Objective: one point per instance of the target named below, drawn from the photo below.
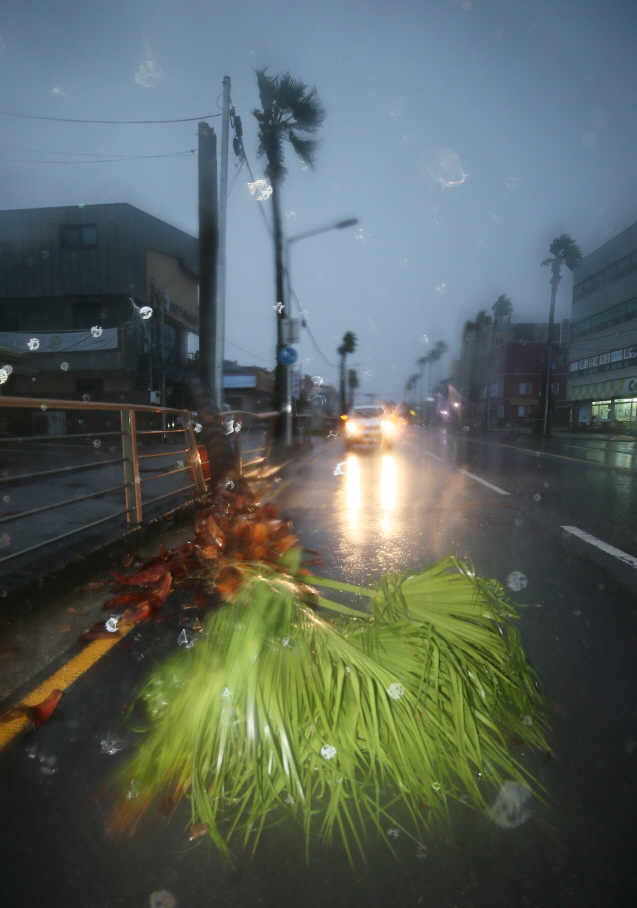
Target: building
(74, 284)
(247, 388)
(602, 381)
(514, 378)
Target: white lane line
(489, 485)
(604, 546)
(432, 455)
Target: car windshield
(368, 412)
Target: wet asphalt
(369, 513)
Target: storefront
(605, 403)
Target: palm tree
(353, 382)
(422, 362)
(348, 346)
(481, 321)
(287, 108)
(564, 251)
(502, 309)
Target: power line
(95, 154)
(250, 352)
(110, 160)
(7, 113)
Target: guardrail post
(131, 468)
(193, 453)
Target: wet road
(504, 508)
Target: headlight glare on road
(351, 427)
(387, 426)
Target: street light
(339, 225)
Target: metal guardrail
(107, 464)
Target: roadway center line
(433, 455)
(604, 546)
(489, 485)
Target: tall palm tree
(422, 362)
(347, 346)
(481, 322)
(354, 383)
(287, 108)
(502, 310)
(564, 251)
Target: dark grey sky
(538, 100)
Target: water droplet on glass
(396, 690)
(111, 625)
(440, 288)
(163, 899)
(96, 331)
(111, 745)
(577, 612)
(64, 367)
(260, 189)
(528, 721)
(339, 471)
(436, 786)
(444, 166)
(421, 852)
(511, 183)
(6, 499)
(517, 522)
(517, 581)
(4, 375)
(5, 540)
(537, 497)
(86, 397)
(97, 443)
(43, 407)
(33, 343)
(146, 312)
(198, 427)
(508, 809)
(393, 833)
(328, 751)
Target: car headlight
(351, 427)
(387, 426)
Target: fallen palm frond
(338, 721)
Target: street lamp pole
(339, 225)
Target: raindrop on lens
(517, 581)
(64, 367)
(86, 397)
(146, 312)
(96, 331)
(97, 443)
(33, 343)
(511, 183)
(537, 497)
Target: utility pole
(208, 251)
(221, 267)
(556, 277)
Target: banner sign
(61, 342)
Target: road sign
(290, 331)
(288, 356)
(296, 384)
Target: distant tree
(422, 362)
(353, 382)
(288, 107)
(347, 346)
(564, 251)
(502, 310)
(478, 326)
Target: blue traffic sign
(288, 356)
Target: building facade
(73, 284)
(602, 381)
(508, 386)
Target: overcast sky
(536, 102)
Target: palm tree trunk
(343, 402)
(490, 377)
(279, 395)
(555, 279)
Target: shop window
(600, 410)
(524, 410)
(525, 387)
(500, 411)
(555, 388)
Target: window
(562, 359)
(525, 387)
(77, 236)
(555, 387)
(500, 411)
(524, 410)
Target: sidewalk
(40, 624)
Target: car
(370, 427)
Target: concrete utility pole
(556, 277)
(221, 268)
(208, 252)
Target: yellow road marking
(61, 680)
